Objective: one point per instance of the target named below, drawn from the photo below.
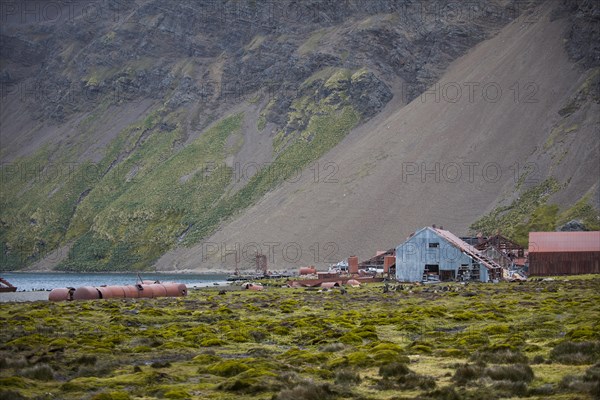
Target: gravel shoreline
(19, 297)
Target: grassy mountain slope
(438, 160)
(173, 135)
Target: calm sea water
(47, 281)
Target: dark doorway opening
(447, 275)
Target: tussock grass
(466, 373)
(11, 394)
(347, 377)
(499, 355)
(513, 373)
(445, 393)
(40, 372)
(576, 353)
(399, 376)
(111, 396)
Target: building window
(434, 245)
(432, 269)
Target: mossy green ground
(538, 340)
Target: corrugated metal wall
(484, 275)
(415, 253)
(564, 263)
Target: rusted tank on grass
(131, 292)
(308, 270)
(253, 286)
(145, 291)
(105, 292)
(61, 294)
(158, 290)
(175, 289)
(86, 293)
(149, 291)
(117, 291)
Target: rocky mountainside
(179, 135)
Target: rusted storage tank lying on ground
(61, 294)
(158, 290)
(105, 292)
(131, 292)
(86, 293)
(253, 286)
(308, 271)
(353, 283)
(175, 289)
(145, 291)
(119, 292)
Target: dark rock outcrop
(572, 226)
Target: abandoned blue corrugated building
(432, 254)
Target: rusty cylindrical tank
(307, 271)
(59, 294)
(131, 292)
(175, 289)
(117, 291)
(146, 291)
(105, 292)
(158, 290)
(353, 283)
(86, 293)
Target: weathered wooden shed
(564, 253)
(433, 253)
(379, 263)
(502, 250)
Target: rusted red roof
(551, 242)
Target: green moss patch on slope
(136, 215)
(583, 211)
(145, 196)
(148, 193)
(322, 133)
(37, 203)
(528, 212)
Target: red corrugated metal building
(564, 253)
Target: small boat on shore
(6, 286)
